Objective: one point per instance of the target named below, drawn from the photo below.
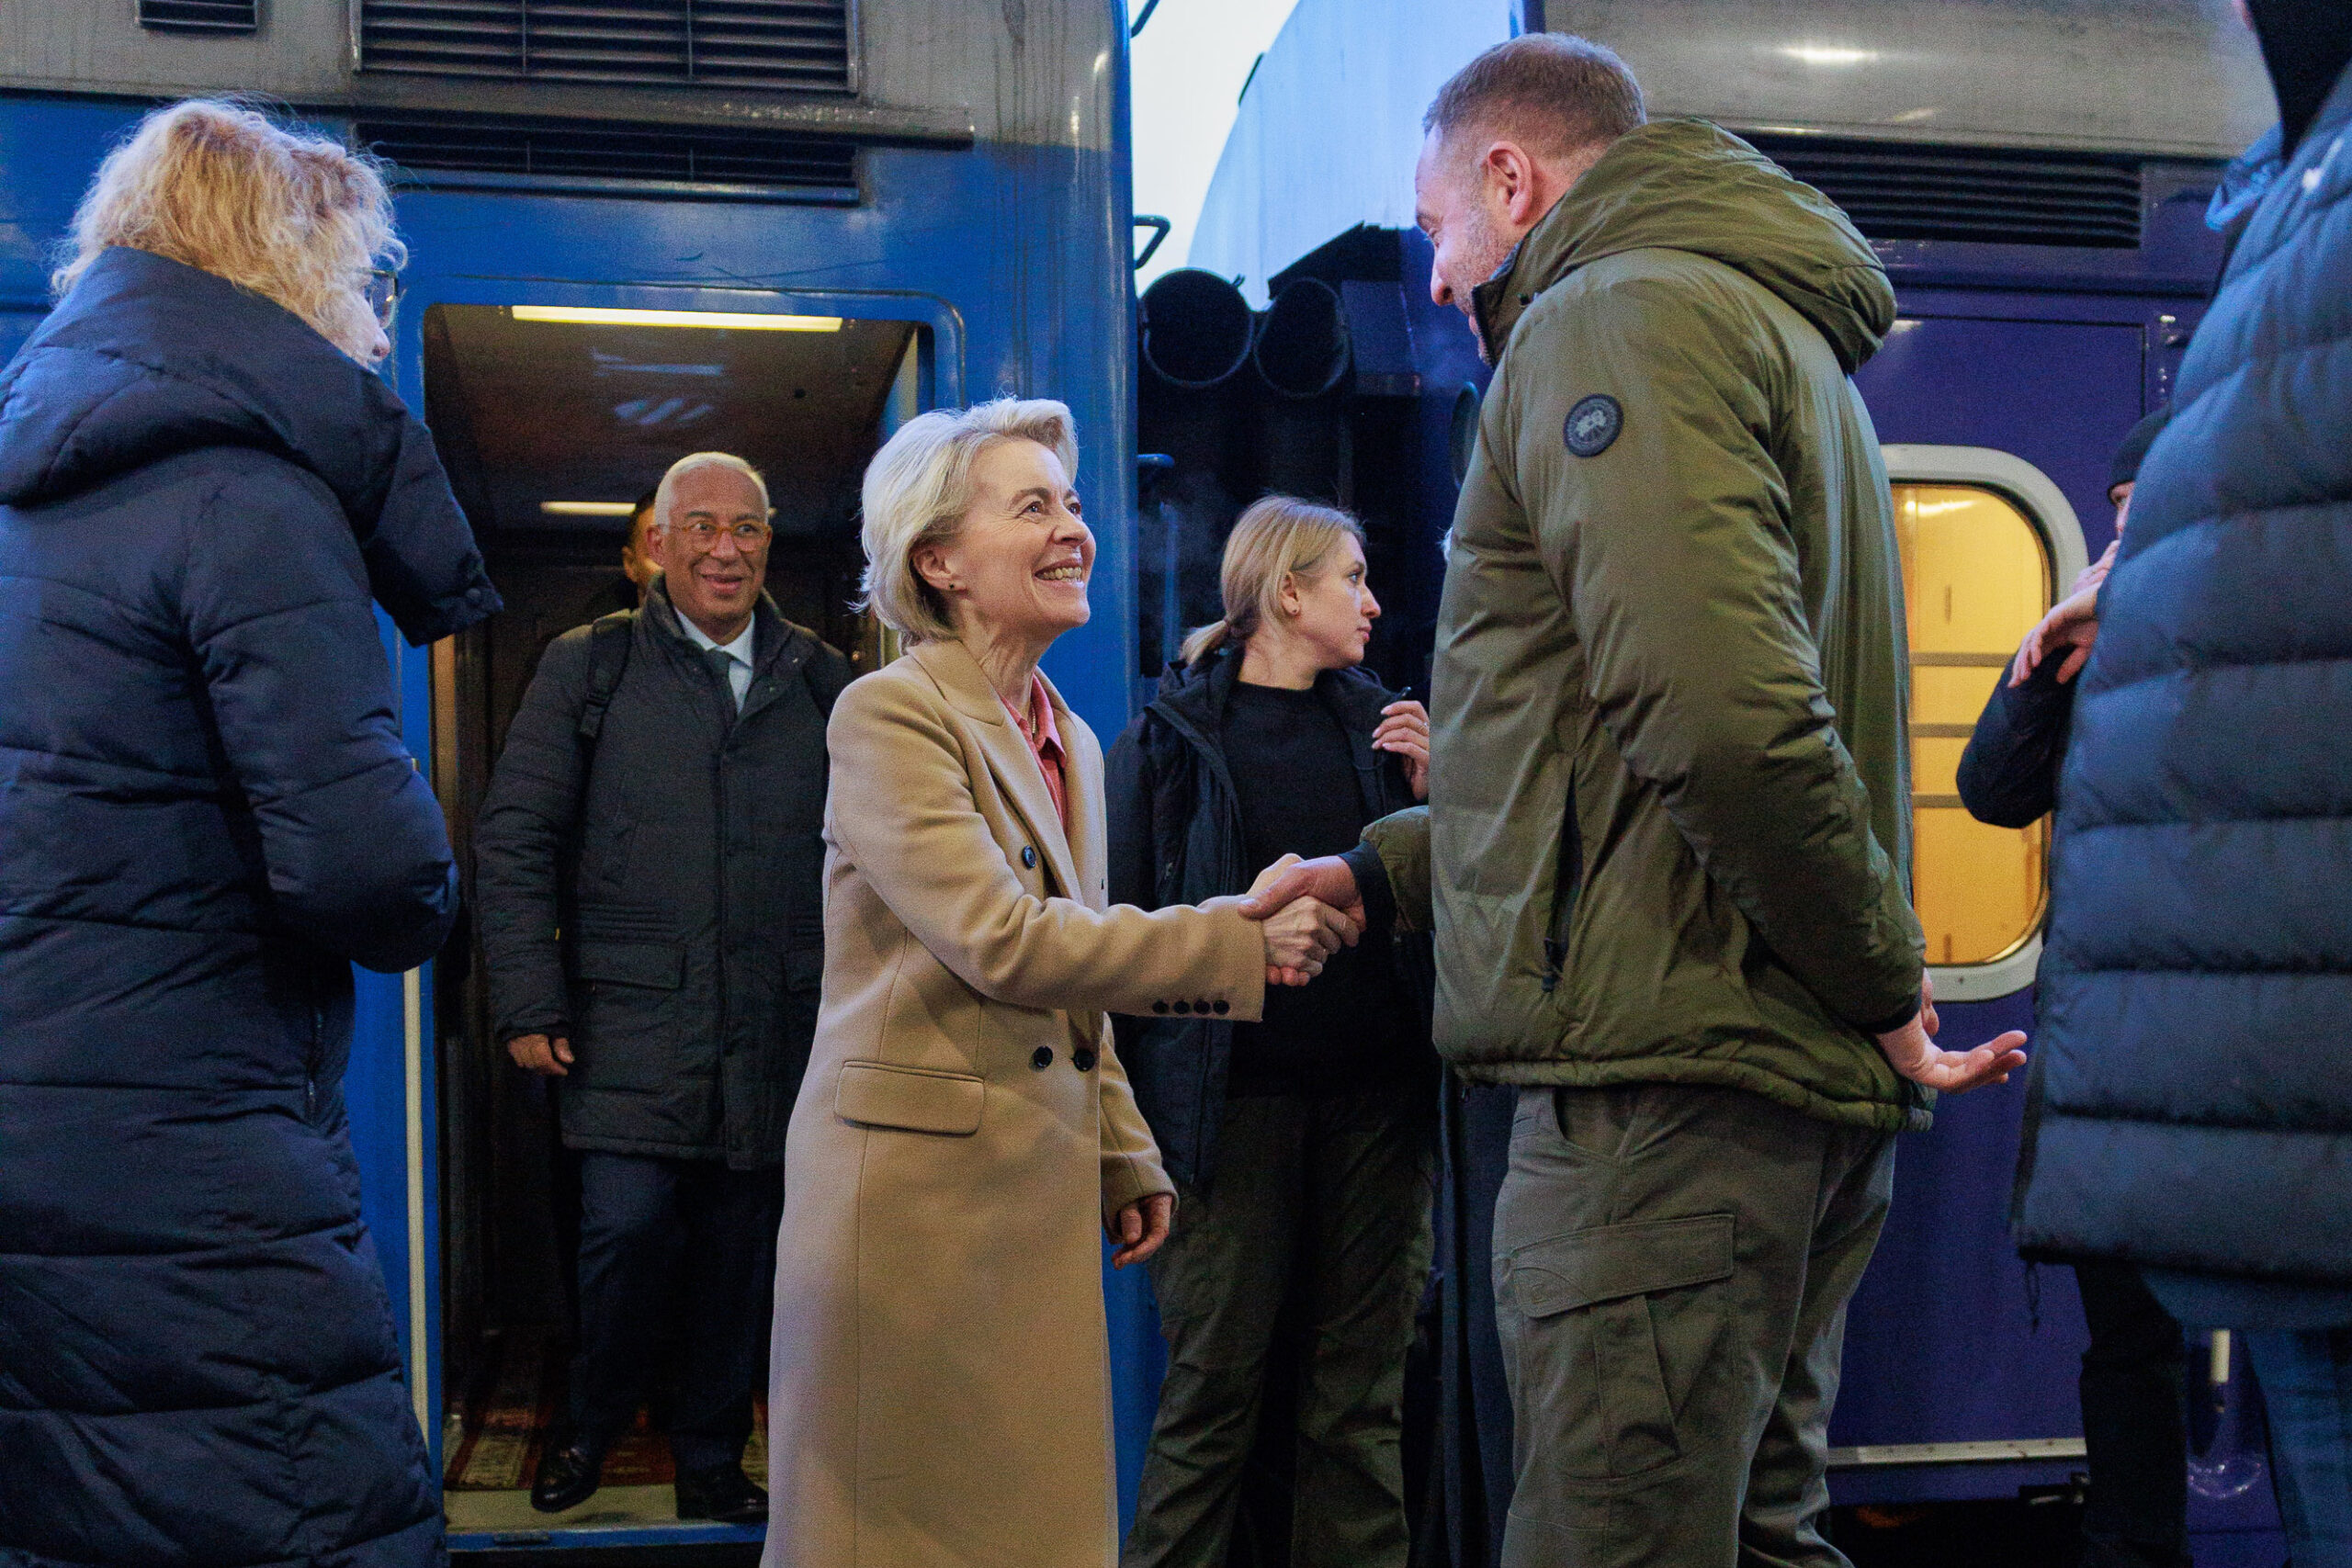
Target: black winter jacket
(2197, 1115)
(2008, 775)
(683, 875)
(1176, 837)
(207, 815)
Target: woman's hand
(1137, 1230)
(1404, 730)
(1300, 936)
(2073, 626)
(2096, 573)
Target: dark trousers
(674, 1235)
(2307, 1390)
(1326, 1199)
(2133, 1429)
(1672, 1265)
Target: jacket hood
(1684, 184)
(1196, 693)
(147, 358)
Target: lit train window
(1976, 576)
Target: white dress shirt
(739, 654)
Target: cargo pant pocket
(1614, 1325)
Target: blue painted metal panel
(1013, 258)
(607, 1536)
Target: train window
(1978, 571)
(1975, 577)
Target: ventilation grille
(1969, 193)
(200, 16)
(782, 45)
(804, 165)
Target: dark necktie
(720, 662)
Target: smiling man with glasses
(649, 862)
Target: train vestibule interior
(552, 421)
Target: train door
(554, 408)
(2000, 414)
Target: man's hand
(1327, 880)
(1404, 730)
(550, 1058)
(1139, 1228)
(2073, 625)
(1913, 1050)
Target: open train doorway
(553, 421)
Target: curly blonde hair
(298, 219)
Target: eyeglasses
(702, 534)
(383, 293)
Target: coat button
(1183, 1007)
(1082, 1059)
(1221, 1009)
(1029, 856)
(1201, 1007)
(1042, 1058)
(1159, 1006)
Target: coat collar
(965, 687)
(146, 358)
(1197, 697)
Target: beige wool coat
(940, 1390)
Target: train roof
(1330, 122)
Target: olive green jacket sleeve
(1675, 552)
(1399, 845)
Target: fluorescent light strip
(588, 508)
(740, 320)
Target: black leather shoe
(725, 1494)
(569, 1476)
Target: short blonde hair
(665, 494)
(1280, 537)
(298, 220)
(919, 486)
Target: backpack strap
(608, 641)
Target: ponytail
(1203, 641)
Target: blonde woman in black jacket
(1301, 1145)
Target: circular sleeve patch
(1592, 424)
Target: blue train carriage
(2035, 178)
(773, 227)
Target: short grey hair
(665, 494)
(919, 486)
(1556, 92)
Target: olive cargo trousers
(1672, 1264)
(1328, 1197)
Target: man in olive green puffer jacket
(1667, 854)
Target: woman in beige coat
(940, 1382)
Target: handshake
(1307, 909)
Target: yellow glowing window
(1977, 577)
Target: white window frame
(2045, 508)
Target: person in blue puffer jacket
(2194, 1107)
(207, 816)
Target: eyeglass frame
(382, 291)
(703, 533)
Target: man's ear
(1511, 174)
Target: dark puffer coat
(205, 817)
(2196, 1113)
(1176, 837)
(683, 872)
